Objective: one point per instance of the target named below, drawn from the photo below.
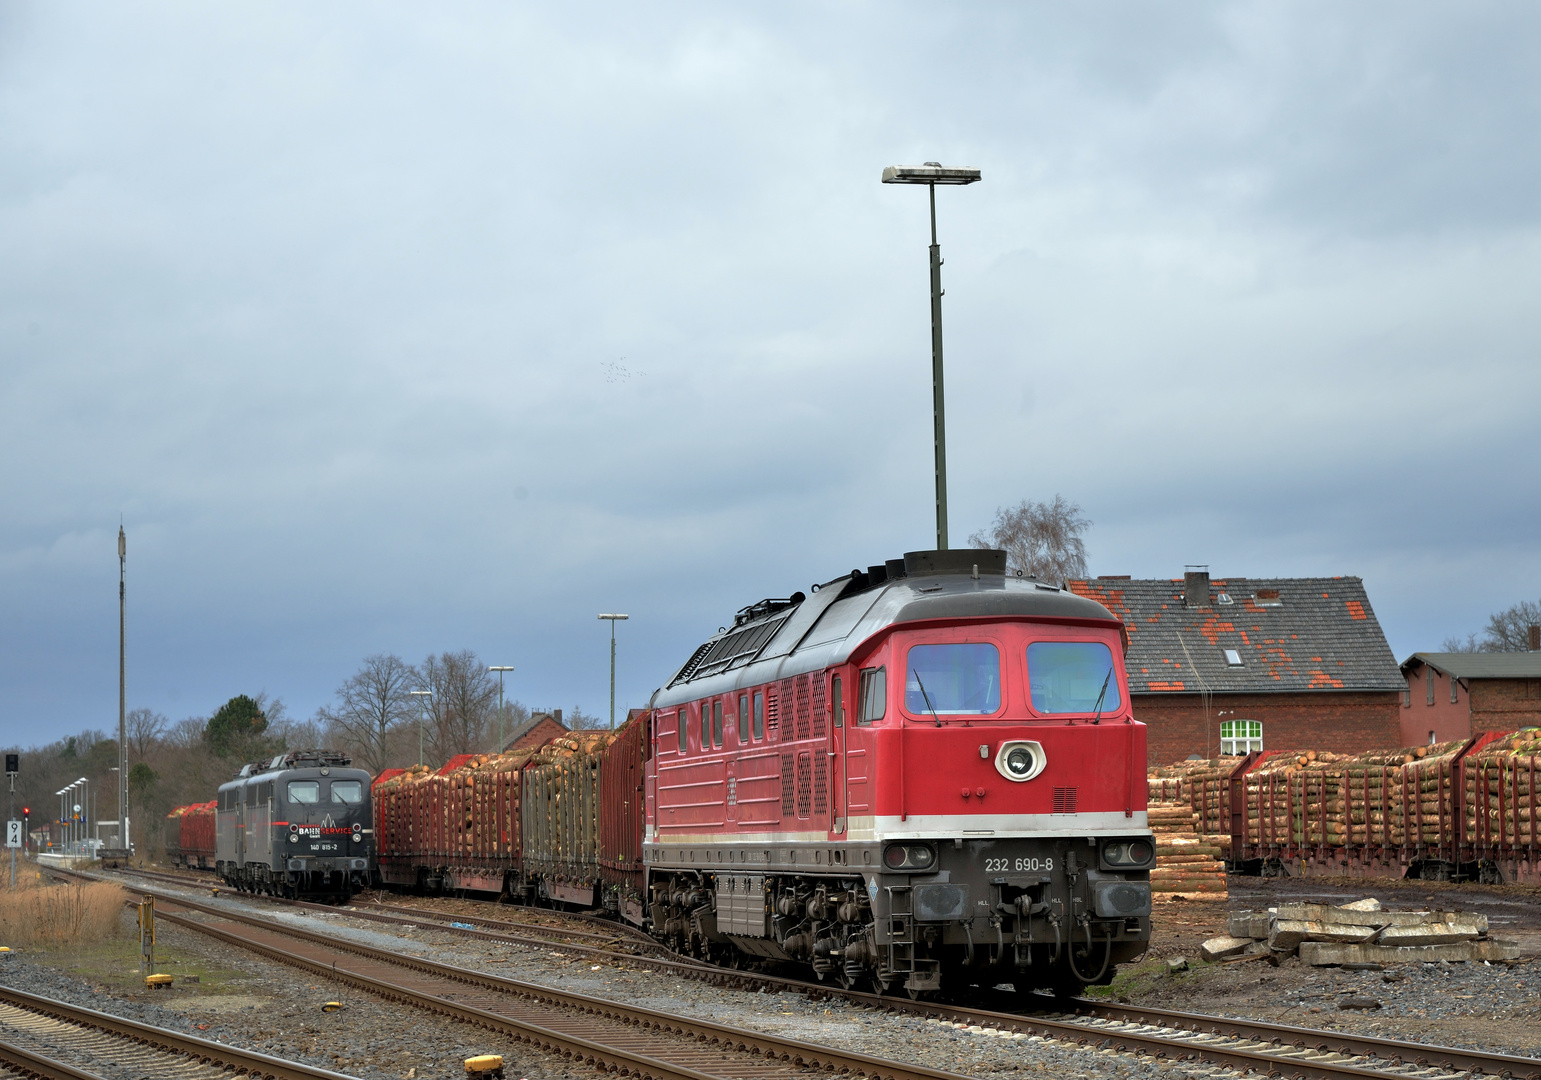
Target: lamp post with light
(422, 705)
(931, 174)
(500, 669)
(613, 619)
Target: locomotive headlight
(1020, 761)
(1128, 853)
(908, 857)
(294, 838)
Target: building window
(1233, 658)
(1431, 738)
(1454, 683)
(1430, 681)
(1407, 696)
(1240, 736)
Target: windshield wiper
(1098, 707)
(927, 699)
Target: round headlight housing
(1020, 760)
(908, 857)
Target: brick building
(1227, 666)
(1456, 695)
(539, 729)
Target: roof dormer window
(1267, 598)
(1233, 658)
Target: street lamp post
(613, 619)
(500, 669)
(122, 695)
(421, 704)
(932, 174)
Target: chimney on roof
(1196, 586)
(556, 714)
(1535, 637)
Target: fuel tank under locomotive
(1055, 913)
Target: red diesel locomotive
(922, 775)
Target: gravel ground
(276, 1009)
(1486, 1007)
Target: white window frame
(1238, 737)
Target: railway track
(1247, 1046)
(36, 1032)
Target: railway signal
(931, 174)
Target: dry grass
(42, 915)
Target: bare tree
(1506, 631)
(370, 707)
(578, 720)
(1041, 539)
(465, 699)
(145, 729)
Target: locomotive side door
(836, 752)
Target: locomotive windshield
(347, 791)
(307, 792)
(1072, 677)
(953, 680)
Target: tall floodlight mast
(931, 174)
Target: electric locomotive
(923, 775)
(297, 825)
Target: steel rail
(1188, 1034)
(785, 1056)
(221, 1055)
(1340, 1042)
(19, 1061)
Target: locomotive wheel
(882, 982)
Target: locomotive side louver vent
(818, 707)
(1064, 800)
(820, 785)
(786, 784)
(804, 784)
(788, 706)
(772, 709)
(802, 709)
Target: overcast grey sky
(408, 328)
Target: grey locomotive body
(298, 825)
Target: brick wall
(1505, 704)
(1346, 723)
(1448, 720)
(540, 734)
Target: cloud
(321, 302)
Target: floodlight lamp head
(930, 173)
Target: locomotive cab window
(304, 792)
(706, 725)
(347, 791)
(1072, 677)
(838, 698)
(874, 695)
(759, 716)
(961, 679)
(682, 720)
(741, 722)
(717, 724)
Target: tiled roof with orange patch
(1291, 634)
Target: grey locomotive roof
(1288, 634)
(827, 627)
(1514, 665)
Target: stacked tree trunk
(1186, 861)
(1503, 791)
